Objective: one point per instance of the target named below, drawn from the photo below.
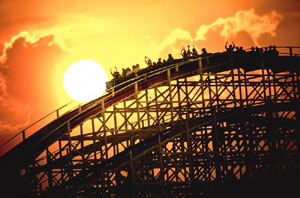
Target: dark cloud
(27, 73)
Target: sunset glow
(85, 80)
(41, 39)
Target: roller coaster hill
(224, 124)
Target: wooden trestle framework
(186, 136)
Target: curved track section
(225, 81)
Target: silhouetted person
(258, 51)
(159, 61)
(116, 75)
(270, 48)
(184, 54)
(164, 62)
(189, 53)
(135, 68)
(276, 53)
(194, 52)
(261, 50)
(266, 51)
(124, 72)
(148, 61)
(170, 58)
(230, 48)
(204, 52)
(239, 49)
(128, 71)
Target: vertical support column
(216, 142)
(60, 155)
(209, 90)
(79, 108)
(179, 99)
(50, 179)
(240, 86)
(113, 91)
(57, 113)
(103, 109)
(104, 128)
(162, 172)
(81, 141)
(170, 95)
(291, 51)
(190, 154)
(232, 80)
(246, 88)
(23, 135)
(200, 66)
(116, 147)
(125, 115)
(94, 139)
(147, 104)
(217, 91)
(274, 84)
(105, 141)
(70, 150)
(202, 84)
(136, 89)
(207, 60)
(269, 73)
(188, 103)
(272, 138)
(157, 109)
(263, 80)
(132, 175)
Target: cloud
(245, 25)
(244, 20)
(173, 43)
(27, 74)
(13, 115)
(28, 40)
(9, 128)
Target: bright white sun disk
(85, 80)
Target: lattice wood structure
(223, 122)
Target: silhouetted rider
(170, 58)
(184, 54)
(148, 61)
(194, 52)
(230, 48)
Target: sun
(85, 80)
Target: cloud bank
(27, 65)
(244, 20)
(247, 21)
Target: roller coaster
(222, 124)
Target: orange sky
(40, 39)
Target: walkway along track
(25, 153)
